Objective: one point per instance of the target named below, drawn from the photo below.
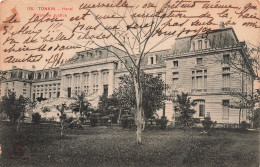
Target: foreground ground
(112, 146)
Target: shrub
(124, 121)
(162, 123)
(63, 117)
(36, 117)
(207, 123)
(94, 119)
(245, 126)
(104, 120)
(82, 120)
(69, 120)
(184, 111)
(127, 121)
(196, 120)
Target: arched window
(200, 107)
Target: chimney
(221, 24)
(14, 67)
(33, 67)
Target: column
(81, 81)
(111, 83)
(90, 83)
(72, 85)
(100, 83)
(63, 88)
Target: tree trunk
(139, 112)
(119, 116)
(239, 121)
(18, 124)
(62, 127)
(12, 118)
(80, 109)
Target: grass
(113, 146)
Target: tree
(113, 104)
(134, 36)
(152, 92)
(61, 108)
(13, 107)
(81, 104)
(183, 109)
(254, 115)
(108, 104)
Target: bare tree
(137, 33)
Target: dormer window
(200, 45)
(90, 54)
(81, 56)
(199, 61)
(175, 64)
(226, 59)
(152, 60)
(193, 45)
(206, 44)
(99, 53)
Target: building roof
(218, 38)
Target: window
(226, 80)
(99, 53)
(206, 44)
(89, 54)
(77, 83)
(152, 60)
(86, 83)
(175, 63)
(58, 94)
(25, 84)
(200, 108)
(95, 82)
(193, 82)
(199, 61)
(226, 70)
(69, 92)
(225, 110)
(105, 91)
(193, 45)
(136, 60)
(175, 77)
(226, 59)
(199, 80)
(175, 74)
(105, 77)
(199, 44)
(69, 78)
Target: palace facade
(211, 67)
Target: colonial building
(211, 67)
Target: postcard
(129, 82)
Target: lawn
(113, 146)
